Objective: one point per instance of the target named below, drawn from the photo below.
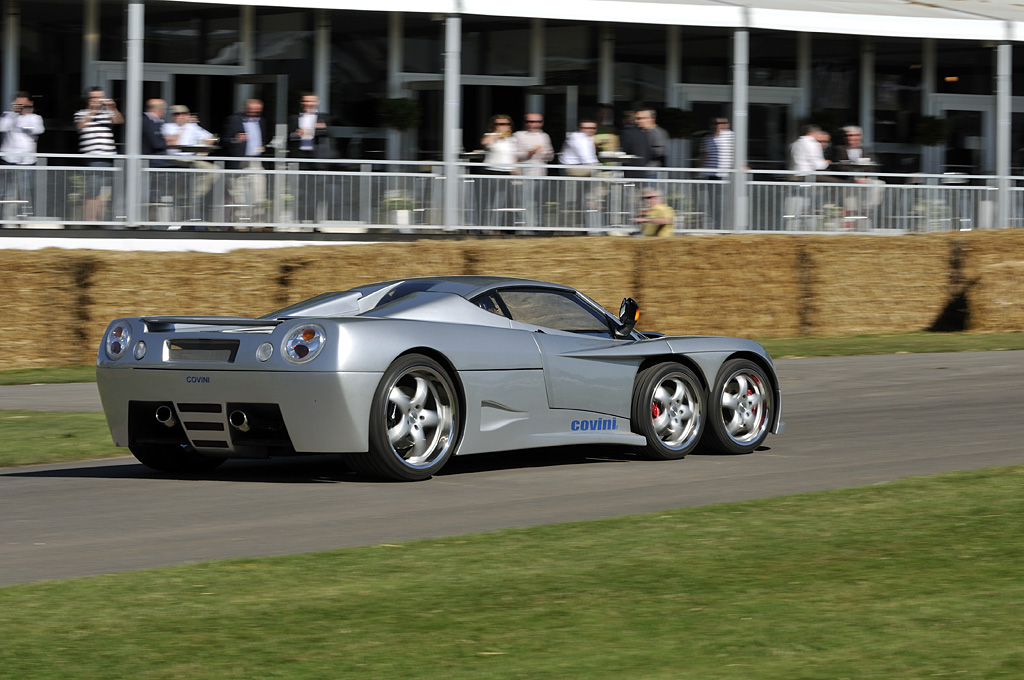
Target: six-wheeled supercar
(402, 375)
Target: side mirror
(629, 314)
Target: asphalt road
(850, 421)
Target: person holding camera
(20, 127)
(95, 125)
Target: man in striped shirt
(95, 125)
(717, 148)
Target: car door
(574, 338)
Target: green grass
(36, 437)
(778, 347)
(914, 579)
(36, 376)
(781, 348)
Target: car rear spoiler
(160, 324)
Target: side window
(490, 304)
(554, 309)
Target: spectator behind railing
(21, 126)
(95, 124)
(247, 134)
(807, 153)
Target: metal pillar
(133, 110)
(867, 91)
(930, 155)
(1004, 120)
(90, 43)
(11, 49)
(740, 124)
(606, 66)
(396, 36)
(535, 101)
(322, 59)
(452, 108)
(803, 68)
(247, 32)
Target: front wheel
(668, 410)
(740, 407)
(174, 458)
(414, 421)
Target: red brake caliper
(655, 411)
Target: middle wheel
(668, 410)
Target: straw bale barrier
(56, 303)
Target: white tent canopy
(949, 19)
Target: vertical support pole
(1004, 120)
(680, 148)
(867, 91)
(803, 68)
(90, 43)
(606, 66)
(322, 59)
(133, 111)
(452, 108)
(247, 31)
(740, 125)
(396, 37)
(535, 100)
(11, 49)
(929, 68)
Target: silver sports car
(402, 375)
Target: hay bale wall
(748, 285)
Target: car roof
(463, 286)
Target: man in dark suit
(246, 135)
(161, 184)
(308, 139)
(634, 143)
(153, 142)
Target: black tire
(414, 422)
(668, 410)
(740, 408)
(174, 458)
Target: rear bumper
(304, 412)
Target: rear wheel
(174, 458)
(740, 407)
(414, 421)
(668, 410)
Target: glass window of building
(964, 67)
(835, 81)
(706, 55)
(773, 59)
(423, 44)
(640, 64)
(51, 54)
(178, 33)
(898, 92)
(495, 46)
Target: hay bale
(996, 300)
(43, 308)
(743, 285)
(866, 284)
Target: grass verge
(781, 348)
(37, 437)
(913, 579)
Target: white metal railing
(200, 193)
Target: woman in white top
(502, 148)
